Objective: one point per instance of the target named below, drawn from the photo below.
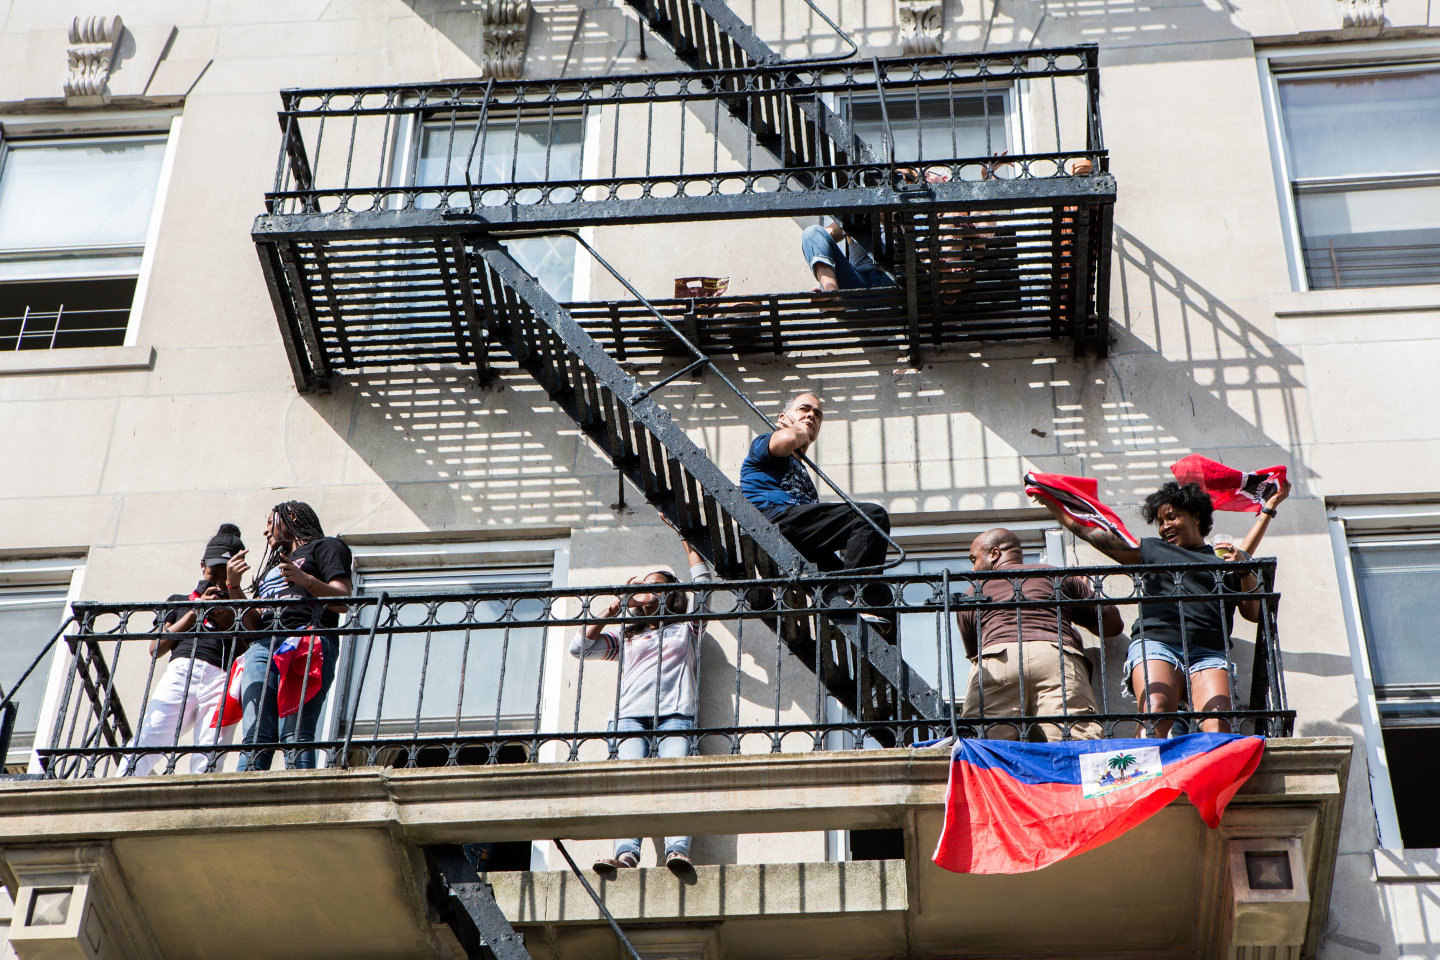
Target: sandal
(609, 866)
(678, 863)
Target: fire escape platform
(213, 857)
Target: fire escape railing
(718, 144)
(495, 711)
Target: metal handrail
(703, 359)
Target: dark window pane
(52, 314)
(1410, 752)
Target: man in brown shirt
(1030, 661)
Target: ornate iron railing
(471, 678)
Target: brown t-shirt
(1007, 624)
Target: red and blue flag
(298, 660)
(1014, 807)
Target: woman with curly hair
(1172, 641)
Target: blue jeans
(638, 748)
(819, 247)
(262, 723)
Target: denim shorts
(1201, 658)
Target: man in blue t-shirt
(775, 480)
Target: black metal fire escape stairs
(367, 277)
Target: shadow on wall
(1127, 29)
(564, 38)
(1188, 374)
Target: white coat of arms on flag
(1102, 773)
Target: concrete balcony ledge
(749, 793)
(209, 859)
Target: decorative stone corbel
(921, 22)
(91, 53)
(503, 25)
(1362, 13)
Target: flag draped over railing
(1015, 807)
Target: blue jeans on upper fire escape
(819, 247)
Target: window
(33, 599)
(930, 554)
(502, 671)
(1361, 152)
(510, 150)
(74, 216)
(929, 127)
(1393, 567)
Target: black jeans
(818, 530)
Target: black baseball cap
(224, 545)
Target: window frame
(1315, 61)
(389, 559)
(1016, 117)
(64, 574)
(403, 163)
(1372, 523)
(163, 123)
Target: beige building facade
(1273, 257)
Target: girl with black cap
(658, 683)
(193, 685)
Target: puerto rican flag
(298, 659)
(1016, 807)
(1079, 498)
(1230, 489)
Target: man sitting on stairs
(774, 479)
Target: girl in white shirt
(659, 690)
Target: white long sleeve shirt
(657, 664)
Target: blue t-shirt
(774, 483)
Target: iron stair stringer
(466, 902)
(708, 35)
(856, 665)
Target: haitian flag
(298, 659)
(1015, 807)
(1230, 489)
(230, 710)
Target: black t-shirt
(1206, 625)
(213, 650)
(325, 559)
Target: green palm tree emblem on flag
(1120, 763)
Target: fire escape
(390, 239)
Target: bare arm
(1106, 542)
(1262, 521)
(786, 440)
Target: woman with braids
(300, 561)
(1166, 649)
(659, 685)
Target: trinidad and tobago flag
(1015, 807)
(1230, 489)
(1078, 497)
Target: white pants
(171, 702)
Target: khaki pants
(1046, 694)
